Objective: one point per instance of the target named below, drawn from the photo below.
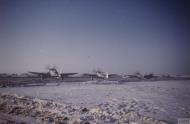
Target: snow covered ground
(163, 100)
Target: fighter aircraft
(98, 74)
(52, 73)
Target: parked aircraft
(98, 74)
(52, 73)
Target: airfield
(83, 100)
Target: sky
(117, 36)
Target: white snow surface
(163, 100)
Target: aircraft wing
(38, 73)
(67, 74)
(91, 75)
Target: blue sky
(80, 35)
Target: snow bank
(20, 109)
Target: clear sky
(80, 35)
